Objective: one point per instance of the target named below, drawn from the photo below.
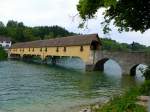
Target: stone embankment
(144, 101)
(93, 107)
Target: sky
(64, 14)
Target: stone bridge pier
(128, 61)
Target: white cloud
(60, 12)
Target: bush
(3, 54)
(147, 74)
(124, 103)
(145, 88)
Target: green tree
(21, 33)
(137, 47)
(2, 24)
(12, 32)
(147, 73)
(3, 30)
(12, 23)
(128, 15)
(3, 54)
(28, 34)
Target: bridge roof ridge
(62, 41)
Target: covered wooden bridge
(82, 46)
(86, 47)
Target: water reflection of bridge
(86, 47)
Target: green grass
(145, 88)
(124, 103)
(127, 101)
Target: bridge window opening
(29, 49)
(45, 49)
(57, 49)
(23, 49)
(40, 49)
(95, 45)
(64, 49)
(81, 48)
(33, 50)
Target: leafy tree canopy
(112, 45)
(21, 33)
(1, 24)
(128, 15)
(3, 54)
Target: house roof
(57, 42)
(3, 38)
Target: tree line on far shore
(21, 33)
(112, 45)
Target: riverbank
(130, 101)
(3, 54)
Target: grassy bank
(127, 102)
(3, 54)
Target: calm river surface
(28, 87)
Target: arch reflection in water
(111, 67)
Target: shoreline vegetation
(121, 103)
(3, 54)
(131, 101)
(136, 99)
(18, 32)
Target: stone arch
(27, 56)
(30, 57)
(57, 57)
(134, 68)
(15, 56)
(100, 64)
(74, 62)
(80, 58)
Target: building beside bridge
(5, 42)
(85, 47)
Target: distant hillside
(51, 32)
(21, 33)
(113, 45)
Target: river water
(26, 87)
